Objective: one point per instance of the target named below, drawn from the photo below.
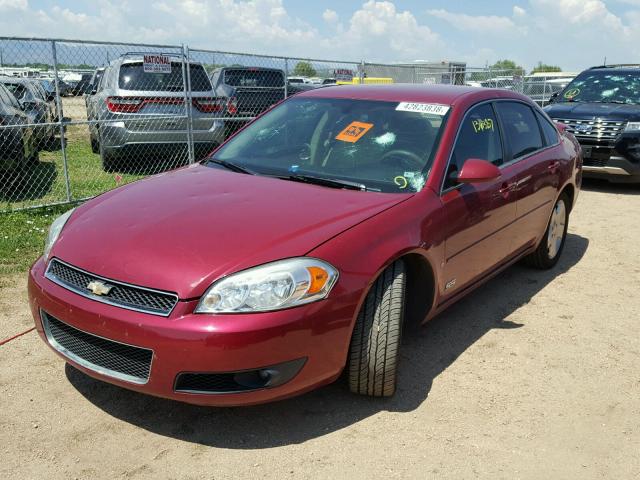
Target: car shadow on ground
(604, 186)
(424, 356)
(32, 182)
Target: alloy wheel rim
(555, 236)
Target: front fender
(364, 251)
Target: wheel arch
(570, 192)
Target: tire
(34, 158)
(95, 146)
(552, 244)
(375, 343)
(110, 163)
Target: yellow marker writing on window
(483, 125)
(401, 182)
(573, 92)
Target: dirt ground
(535, 375)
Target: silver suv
(138, 115)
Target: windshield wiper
(326, 182)
(232, 166)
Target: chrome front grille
(123, 295)
(114, 359)
(596, 130)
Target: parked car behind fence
(18, 145)
(139, 115)
(37, 108)
(249, 91)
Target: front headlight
(54, 232)
(632, 127)
(274, 286)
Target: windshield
(254, 78)
(133, 77)
(385, 146)
(607, 87)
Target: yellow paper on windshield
(354, 132)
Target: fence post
(63, 146)
(361, 72)
(188, 103)
(286, 77)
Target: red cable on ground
(7, 340)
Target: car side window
(12, 100)
(3, 96)
(549, 131)
(479, 137)
(520, 128)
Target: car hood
(590, 111)
(182, 230)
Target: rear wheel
(34, 158)
(552, 244)
(110, 162)
(374, 350)
(95, 145)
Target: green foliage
(304, 69)
(543, 67)
(508, 67)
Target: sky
(573, 34)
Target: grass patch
(45, 183)
(22, 236)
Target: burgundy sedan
(302, 245)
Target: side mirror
(561, 127)
(475, 170)
(553, 97)
(51, 97)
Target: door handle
(505, 190)
(553, 166)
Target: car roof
(10, 79)
(127, 59)
(398, 92)
(615, 68)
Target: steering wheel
(408, 159)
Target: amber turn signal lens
(319, 278)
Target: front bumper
(618, 161)
(185, 342)
(615, 168)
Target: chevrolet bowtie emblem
(99, 288)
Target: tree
(508, 67)
(304, 69)
(543, 67)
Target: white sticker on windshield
(433, 108)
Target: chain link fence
(80, 118)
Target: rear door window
(133, 77)
(549, 131)
(479, 137)
(4, 96)
(244, 77)
(520, 128)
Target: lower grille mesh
(208, 382)
(99, 354)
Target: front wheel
(548, 252)
(374, 350)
